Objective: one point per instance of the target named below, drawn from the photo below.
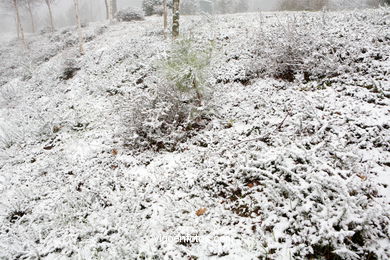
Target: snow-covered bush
(8, 96)
(130, 14)
(46, 30)
(9, 135)
(282, 51)
(187, 68)
(231, 6)
(69, 69)
(311, 208)
(309, 50)
(152, 7)
(175, 109)
(303, 5)
(189, 6)
(321, 4)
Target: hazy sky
(94, 10)
(63, 12)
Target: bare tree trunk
(50, 14)
(17, 27)
(19, 23)
(176, 18)
(114, 7)
(31, 16)
(81, 39)
(107, 9)
(110, 10)
(165, 15)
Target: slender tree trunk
(165, 15)
(176, 19)
(107, 9)
(110, 10)
(81, 39)
(19, 23)
(114, 7)
(31, 16)
(17, 27)
(50, 14)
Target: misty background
(63, 12)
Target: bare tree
(77, 12)
(29, 8)
(29, 5)
(48, 3)
(114, 7)
(107, 9)
(111, 9)
(165, 15)
(20, 30)
(176, 18)
(110, 16)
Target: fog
(63, 13)
(93, 10)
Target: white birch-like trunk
(114, 7)
(17, 27)
(107, 9)
(19, 23)
(81, 38)
(31, 16)
(50, 14)
(165, 15)
(176, 19)
(110, 11)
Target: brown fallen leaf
(48, 147)
(114, 152)
(201, 212)
(251, 185)
(363, 177)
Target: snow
(71, 188)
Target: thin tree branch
(264, 137)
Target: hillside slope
(290, 166)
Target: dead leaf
(48, 147)
(251, 185)
(201, 211)
(363, 177)
(114, 152)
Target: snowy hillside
(292, 160)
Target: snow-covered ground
(284, 170)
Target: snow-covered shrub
(303, 5)
(189, 6)
(130, 14)
(230, 6)
(46, 30)
(9, 134)
(8, 96)
(100, 30)
(175, 109)
(152, 7)
(187, 68)
(69, 69)
(295, 50)
(282, 50)
(314, 210)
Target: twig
(101, 54)
(263, 138)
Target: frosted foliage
(110, 154)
